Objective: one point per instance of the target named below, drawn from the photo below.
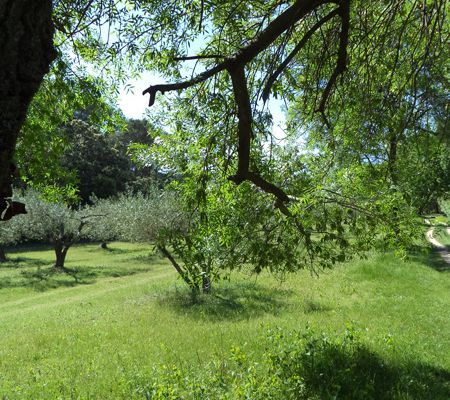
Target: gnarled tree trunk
(60, 253)
(26, 51)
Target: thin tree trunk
(26, 51)
(2, 254)
(206, 283)
(195, 288)
(393, 142)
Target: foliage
(101, 167)
(63, 94)
(335, 212)
(10, 234)
(348, 190)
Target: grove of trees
(363, 152)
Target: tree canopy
(363, 86)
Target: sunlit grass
(99, 331)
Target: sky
(133, 103)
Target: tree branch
(198, 57)
(341, 64)
(245, 133)
(294, 52)
(284, 21)
(152, 90)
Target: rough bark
(26, 51)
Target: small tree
(10, 234)
(55, 223)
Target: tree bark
(60, 252)
(26, 51)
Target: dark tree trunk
(26, 51)
(60, 252)
(2, 254)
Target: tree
(54, 223)
(26, 51)
(10, 234)
(313, 54)
(100, 166)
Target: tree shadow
(232, 301)
(29, 247)
(43, 279)
(110, 250)
(18, 262)
(429, 257)
(349, 370)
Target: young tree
(10, 234)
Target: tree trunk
(2, 254)
(26, 51)
(60, 252)
(206, 283)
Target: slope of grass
(108, 328)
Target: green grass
(100, 331)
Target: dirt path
(442, 250)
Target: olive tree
(55, 223)
(10, 234)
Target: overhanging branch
(294, 52)
(235, 66)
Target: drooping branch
(294, 52)
(235, 66)
(341, 64)
(152, 90)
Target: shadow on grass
(349, 370)
(18, 262)
(108, 250)
(232, 301)
(307, 366)
(29, 247)
(42, 279)
(429, 257)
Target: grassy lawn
(99, 332)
